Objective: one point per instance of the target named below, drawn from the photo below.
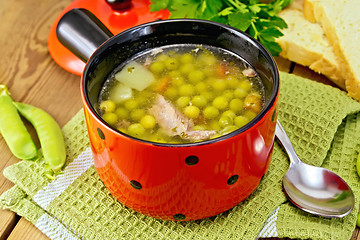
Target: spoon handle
(286, 144)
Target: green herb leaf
(255, 8)
(273, 47)
(278, 22)
(213, 7)
(269, 34)
(255, 17)
(157, 5)
(185, 8)
(240, 20)
(226, 11)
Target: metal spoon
(314, 189)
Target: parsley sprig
(257, 18)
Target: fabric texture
(321, 121)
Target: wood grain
(25, 230)
(27, 68)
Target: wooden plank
(356, 234)
(25, 230)
(8, 221)
(32, 77)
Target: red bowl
(167, 181)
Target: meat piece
(169, 118)
(249, 72)
(198, 135)
(122, 124)
(173, 123)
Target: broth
(181, 93)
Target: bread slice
(296, 4)
(340, 21)
(305, 43)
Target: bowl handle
(81, 32)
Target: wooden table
(33, 77)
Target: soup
(181, 94)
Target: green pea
(186, 58)
(192, 111)
(162, 57)
(175, 74)
(209, 71)
(219, 85)
(214, 125)
(229, 94)
(236, 105)
(208, 95)
(199, 101)
(183, 101)
(207, 59)
(110, 118)
(241, 121)
(49, 134)
(131, 104)
(122, 113)
(186, 68)
(210, 112)
(220, 103)
(148, 122)
(171, 92)
(228, 129)
(225, 120)
(137, 114)
(107, 106)
(196, 76)
(187, 90)
(246, 85)
(201, 87)
(229, 113)
(250, 114)
(157, 67)
(232, 81)
(240, 93)
(13, 129)
(178, 81)
(171, 63)
(136, 129)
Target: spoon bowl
(314, 189)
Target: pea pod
(49, 134)
(13, 129)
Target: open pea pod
(13, 129)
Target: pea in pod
(49, 134)
(13, 129)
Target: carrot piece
(221, 70)
(163, 84)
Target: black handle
(119, 5)
(81, 32)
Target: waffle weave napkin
(322, 122)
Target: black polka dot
(232, 179)
(101, 134)
(135, 184)
(179, 216)
(191, 160)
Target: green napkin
(322, 122)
